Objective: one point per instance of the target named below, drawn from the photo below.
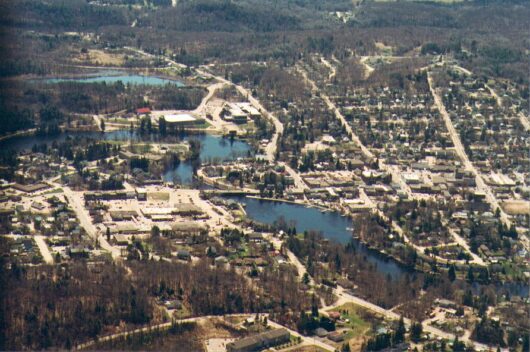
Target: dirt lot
(516, 207)
(99, 57)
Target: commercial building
(181, 120)
(260, 341)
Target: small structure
(336, 336)
(183, 255)
(143, 111)
(255, 237)
(141, 194)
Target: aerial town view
(265, 175)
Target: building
(235, 114)
(141, 194)
(143, 111)
(183, 255)
(29, 188)
(261, 341)
(181, 120)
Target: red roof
(143, 111)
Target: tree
(162, 125)
(415, 331)
(399, 335)
(155, 231)
(452, 273)
(108, 233)
(470, 275)
(305, 279)
(102, 125)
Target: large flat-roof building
(178, 120)
(260, 341)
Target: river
(332, 225)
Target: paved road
(76, 202)
(271, 148)
(522, 118)
(44, 250)
(332, 69)
(368, 154)
(459, 148)
(146, 329)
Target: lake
(111, 77)
(213, 147)
(332, 225)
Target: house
(143, 111)
(259, 342)
(321, 332)
(29, 188)
(78, 252)
(334, 315)
(141, 194)
(183, 255)
(336, 336)
(120, 240)
(173, 304)
(220, 261)
(256, 237)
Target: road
(522, 118)
(270, 149)
(367, 154)
(332, 69)
(44, 250)
(272, 146)
(459, 148)
(345, 297)
(463, 243)
(393, 170)
(147, 329)
(367, 68)
(76, 202)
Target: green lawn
(357, 325)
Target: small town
(347, 196)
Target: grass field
(358, 326)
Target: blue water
(213, 148)
(118, 76)
(332, 225)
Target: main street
(460, 150)
(75, 199)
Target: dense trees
(62, 306)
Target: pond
(110, 77)
(213, 147)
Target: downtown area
(264, 175)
